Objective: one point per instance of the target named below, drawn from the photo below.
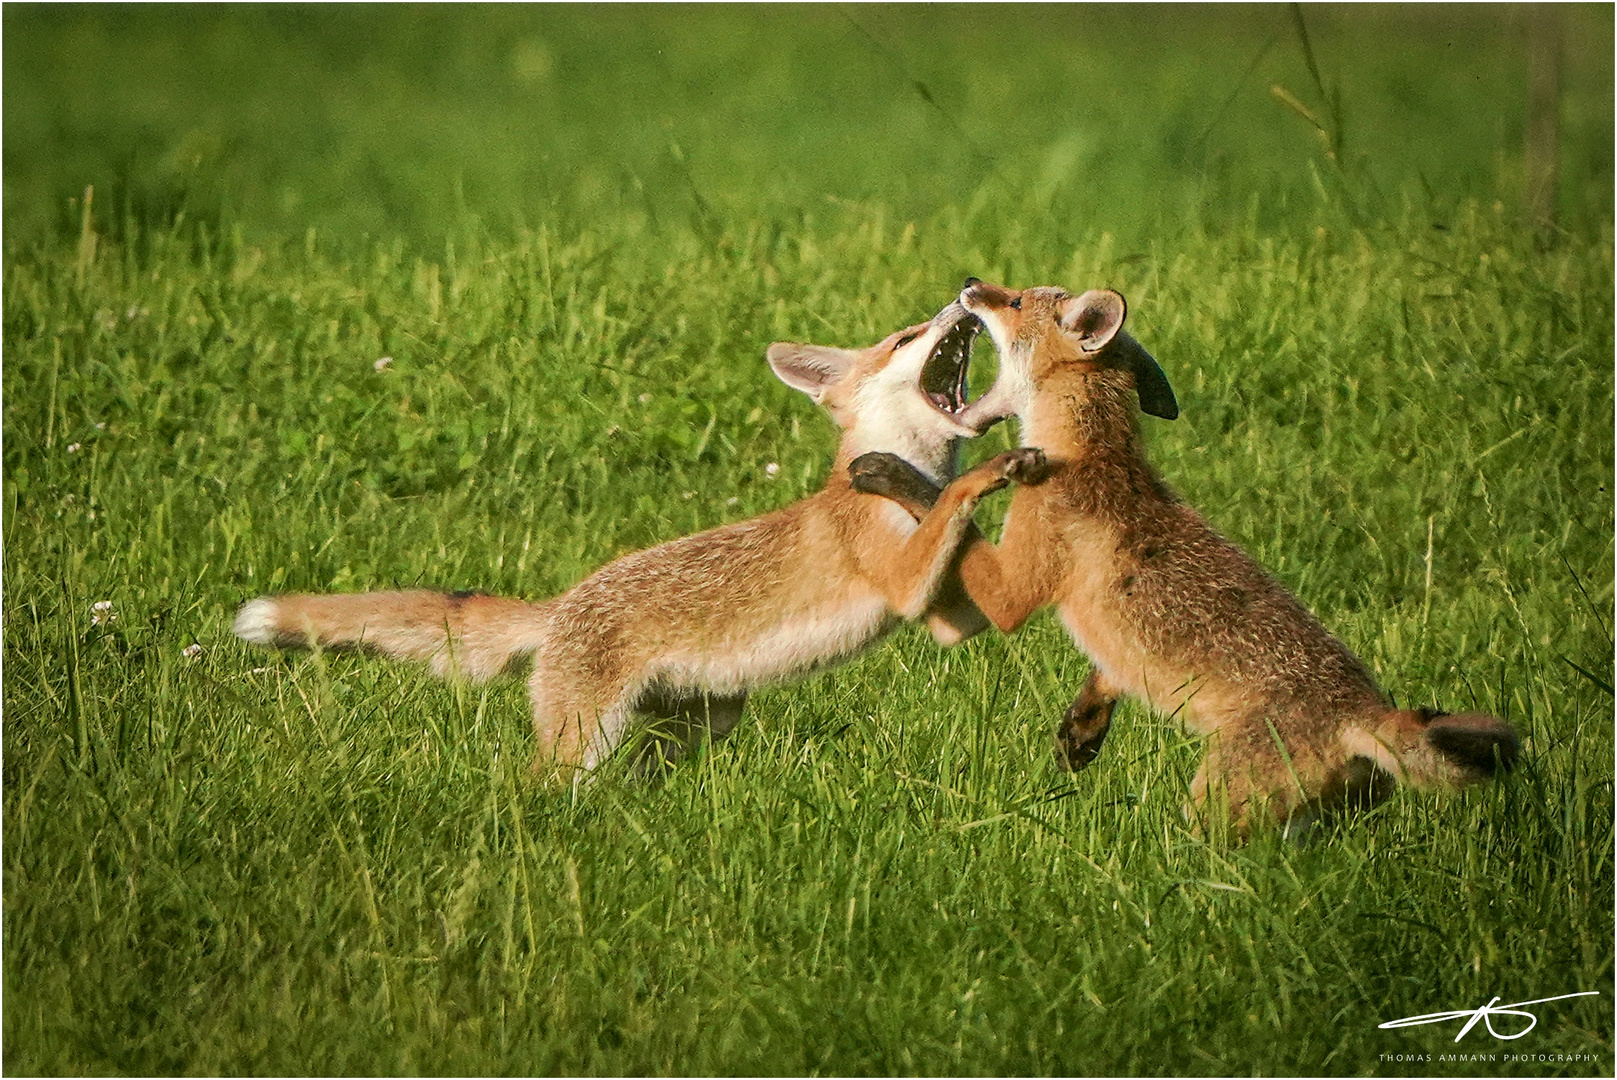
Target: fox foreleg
(1083, 729)
(1007, 598)
(954, 617)
(891, 477)
(911, 573)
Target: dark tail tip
(1476, 743)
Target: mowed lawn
(478, 298)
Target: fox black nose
(971, 281)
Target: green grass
(575, 231)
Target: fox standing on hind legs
(682, 631)
(1167, 609)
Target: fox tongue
(940, 400)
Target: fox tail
(1433, 749)
(466, 634)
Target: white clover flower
(73, 447)
(191, 651)
(101, 613)
(645, 399)
(733, 500)
(383, 363)
(772, 468)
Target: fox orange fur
(1166, 608)
(682, 631)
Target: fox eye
(1017, 303)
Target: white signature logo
(1485, 1014)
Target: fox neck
(887, 413)
(1087, 418)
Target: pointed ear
(812, 369)
(1156, 396)
(1094, 317)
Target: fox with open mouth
(676, 635)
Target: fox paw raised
(1024, 465)
(891, 477)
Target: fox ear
(1094, 317)
(812, 369)
(1156, 396)
(1097, 319)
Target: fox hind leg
(1243, 780)
(576, 724)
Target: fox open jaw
(928, 361)
(943, 375)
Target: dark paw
(890, 476)
(1083, 729)
(1025, 465)
(1078, 744)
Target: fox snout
(977, 292)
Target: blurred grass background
(573, 231)
(421, 123)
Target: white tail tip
(255, 622)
